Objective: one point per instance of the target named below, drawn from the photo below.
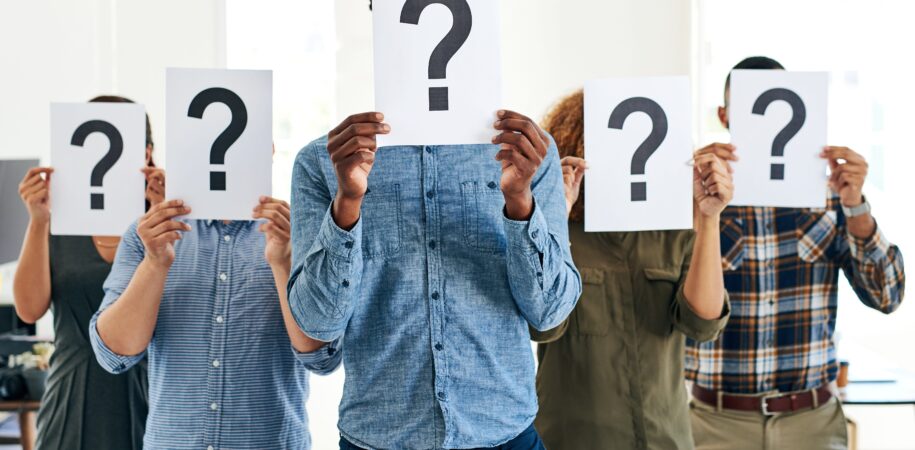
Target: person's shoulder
(313, 149)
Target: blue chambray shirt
(222, 371)
(432, 293)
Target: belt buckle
(764, 405)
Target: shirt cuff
(109, 360)
(323, 360)
(873, 248)
(696, 327)
(528, 236)
(337, 241)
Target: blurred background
(321, 55)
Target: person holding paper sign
(83, 406)
(611, 375)
(430, 263)
(206, 302)
(769, 377)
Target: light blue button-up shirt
(222, 371)
(432, 293)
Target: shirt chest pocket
(816, 234)
(733, 243)
(481, 208)
(658, 294)
(382, 216)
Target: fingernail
(494, 140)
(497, 123)
(501, 113)
(386, 128)
(379, 116)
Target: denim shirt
(432, 293)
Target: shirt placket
(766, 219)
(436, 297)
(215, 364)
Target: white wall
(549, 47)
(73, 50)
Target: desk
(26, 410)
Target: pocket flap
(667, 274)
(591, 276)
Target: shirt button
(491, 185)
(430, 194)
(428, 149)
(345, 283)
(435, 295)
(227, 238)
(223, 276)
(441, 395)
(214, 406)
(219, 319)
(215, 363)
(348, 244)
(439, 347)
(210, 447)
(432, 245)
(534, 234)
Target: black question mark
(229, 136)
(652, 142)
(799, 116)
(447, 48)
(115, 149)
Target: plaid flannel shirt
(781, 269)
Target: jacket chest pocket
(481, 208)
(592, 314)
(382, 216)
(733, 243)
(816, 233)
(658, 294)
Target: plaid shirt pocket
(733, 249)
(816, 232)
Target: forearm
(127, 326)
(704, 286)
(301, 342)
(32, 282)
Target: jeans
(527, 440)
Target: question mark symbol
(229, 135)
(652, 142)
(799, 116)
(447, 48)
(115, 149)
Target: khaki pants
(814, 429)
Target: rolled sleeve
(110, 361)
(874, 248)
(695, 327)
(323, 361)
(876, 271)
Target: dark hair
(117, 99)
(566, 123)
(752, 63)
(370, 5)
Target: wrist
(519, 206)
(709, 222)
(158, 264)
(39, 224)
(346, 210)
(854, 201)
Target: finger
(34, 191)
(843, 153)
(166, 214)
(575, 162)
(368, 117)
(369, 129)
(579, 175)
(357, 159)
(37, 171)
(163, 239)
(356, 144)
(274, 217)
(168, 226)
(508, 114)
(527, 128)
(723, 151)
(520, 142)
(30, 184)
(514, 158)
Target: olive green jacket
(611, 375)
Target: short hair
(119, 99)
(370, 5)
(566, 123)
(752, 63)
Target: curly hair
(566, 123)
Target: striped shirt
(222, 371)
(782, 274)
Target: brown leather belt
(767, 405)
